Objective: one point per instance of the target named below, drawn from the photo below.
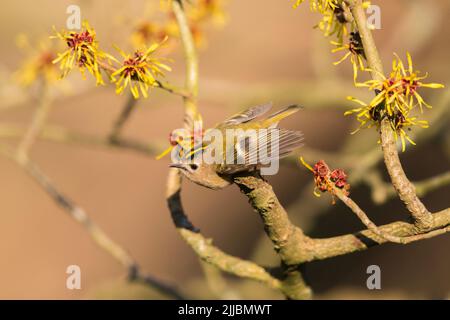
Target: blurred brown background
(264, 53)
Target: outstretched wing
(248, 114)
(248, 155)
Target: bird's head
(202, 174)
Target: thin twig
(37, 122)
(191, 58)
(66, 136)
(364, 218)
(383, 191)
(100, 238)
(124, 115)
(172, 89)
(379, 232)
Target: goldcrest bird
(219, 175)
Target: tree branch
(286, 237)
(190, 56)
(405, 189)
(320, 249)
(295, 248)
(203, 247)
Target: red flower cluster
(80, 39)
(321, 172)
(133, 65)
(327, 179)
(178, 137)
(339, 178)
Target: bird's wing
(248, 115)
(272, 146)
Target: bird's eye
(193, 166)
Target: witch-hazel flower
(396, 100)
(139, 71)
(83, 52)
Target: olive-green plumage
(219, 175)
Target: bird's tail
(273, 119)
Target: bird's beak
(176, 165)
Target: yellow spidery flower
(335, 22)
(199, 13)
(139, 71)
(319, 5)
(83, 52)
(165, 5)
(144, 32)
(401, 123)
(397, 97)
(38, 64)
(203, 10)
(399, 91)
(336, 17)
(355, 51)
